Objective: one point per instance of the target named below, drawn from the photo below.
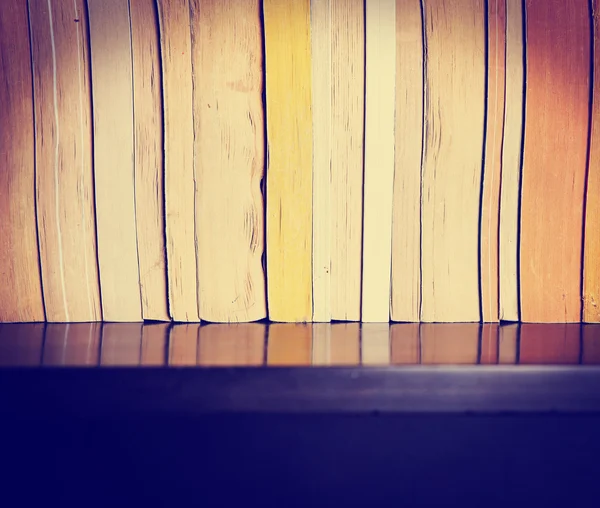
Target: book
(74, 344)
(452, 160)
(180, 179)
(21, 288)
(322, 92)
(591, 252)
(554, 159)
(405, 303)
(114, 179)
(512, 140)
(490, 199)
(289, 344)
(289, 159)
(336, 344)
(63, 153)
(380, 77)
(543, 343)
(229, 158)
(226, 345)
(375, 344)
(450, 343)
(148, 159)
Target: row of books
(315, 160)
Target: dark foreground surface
(303, 460)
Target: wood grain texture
(511, 162)
(21, 343)
(375, 344)
(289, 161)
(320, 30)
(406, 222)
(488, 350)
(112, 95)
(554, 159)
(154, 344)
(508, 340)
(550, 343)
(183, 344)
(590, 343)
(492, 170)
(591, 253)
(380, 77)
(454, 127)
(336, 344)
(180, 179)
(63, 153)
(73, 344)
(20, 289)
(149, 168)
(121, 344)
(232, 345)
(229, 158)
(450, 343)
(347, 151)
(405, 344)
(289, 344)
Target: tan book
(148, 156)
(229, 158)
(450, 343)
(289, 344)
(63, 153)
(289, 159)
(336, 344)
(511, 161)
(591, 260)
(492, 170)
(405, 301)
(375, 344)
(224, 345)
(183, 344)
(180, 179)
(155, 338)
(452, 162)
(489, 352)
(72, 344)
(20, 289)
(590, 344)
(111, 68)
(21, 344)
(121, 344)
(321, 40)
(554, 159)
(405, 344)
(550, 343)
(380, 78)
(508, 340)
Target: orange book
(554, 159)
(20, 286)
